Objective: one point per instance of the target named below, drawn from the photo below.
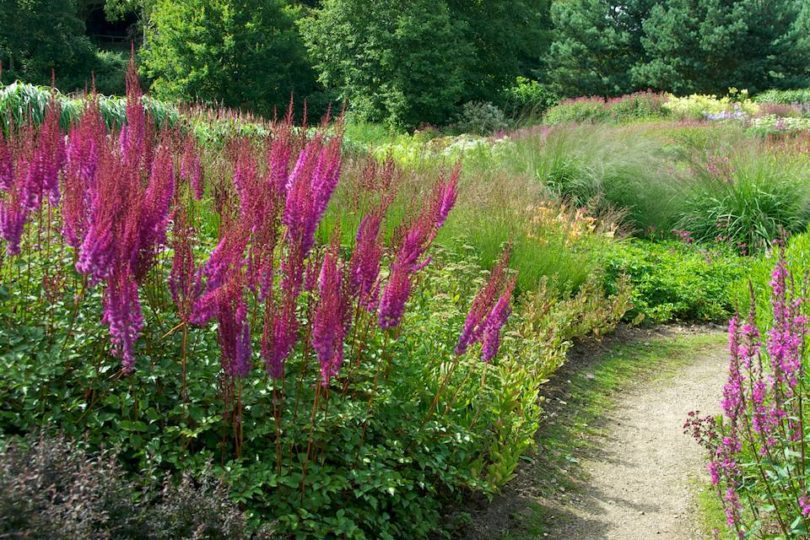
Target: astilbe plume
(415, 241)
(183, 286)
(6, 164)
(155, 210)
(234, 329)
(191, 167)
(122, 314)
(364, 266)
(491, 333)
(134, 136)
(329, 323)
(84, 148)
(482, 304)
(309, 188)
(13, 214)
(226, 260)
(223, 298)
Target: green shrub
(527, 98)
(480, 119)
(583, 109)
(51, 488)
(747, 198)
(673, 281)
(785, 97)
(758, 276)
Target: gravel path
(640, 478)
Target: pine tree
(710, 45)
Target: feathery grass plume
(85, 146)
(482, 305)
(329, 324)
(491, 334)
(415, 241)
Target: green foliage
(527, 98)
(706, 46)
(480, 119)
(595, 42)
(674, 281)
(699, 107)
(241, 54)
(747, 198)
(627, 108)
(385, 58)
(52, 488)
(41, 38)
(758, 277)
(787, 97)
(385, 467)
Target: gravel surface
(640, 479)
(636, 478)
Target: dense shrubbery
(637, 106)
(51, 488)
(674, 280)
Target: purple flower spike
(122, 314)
(491, 334)
(394, 297)
(328, 325)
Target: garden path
(641, 480)
(636, 478)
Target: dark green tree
(710, 45)
(508, 39)
(41, 36)
(241, 53)
(595, 44)
(399, 62)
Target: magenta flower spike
(6, 164)
(133, 137)
(122, 314)
(234, 330)
(13, 215)
(364, 267)
(280, 336)
(84, 148)
(394, 297)
(491, 333)
(191, 167)
(482, 304)
(328, 325)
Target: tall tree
(399, 62)
(41, 36)
(507, 39)
(711, 45)
(595, 44)
(242, 53)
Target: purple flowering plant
(758, 448)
